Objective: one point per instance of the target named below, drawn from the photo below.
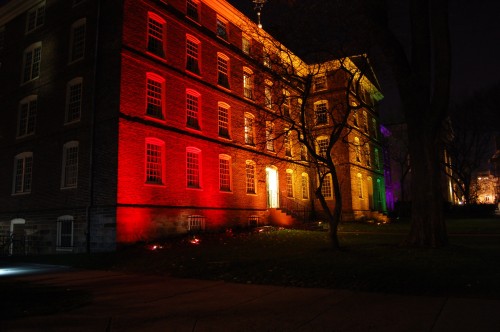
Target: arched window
(193, 109)
(247, 83)
(360, 185)
(250, 177)
(155, 100)
(69, 176)
(249, 129)
(321, 112)
(193, 50)
(193, 167)
(224, 173)
(289, 183)
(23, 168)
(74, 94)
(27, 116)
(65, 232)
(156, 35)
(223, 119)
(223, 70)
(305, 185)
(155, 161)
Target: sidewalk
(125, 302)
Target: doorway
(272, 187)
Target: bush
(471, 210)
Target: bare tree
(314, 109)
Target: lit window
(31, 62)
(266, 58)
(268, 95)
(305, 186)
(193, 161)
(224, 173)
(321, 111)
(74, 100)
(221, 28)
(320, 83)
(355, 119)
(357, 153)
(23, 168)
(250, 173)
(192, 109)
(192, 55)
(192, 10)
(70, 165)
(154, 161)
(156, 35)
(269, 136)
(249, 129)
(154, 99)
(360, 185)
(27, 116)
(326, 188)
(323, 143)
(223, 115)
(64, 232)
(303, 152)
(245, 45)
(247, 83)
(375, 128)
(365, 122)
(77, 48)
(289, 183)
(368, 158)
(222, 70)
(36, 17)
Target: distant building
(128, 121)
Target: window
(360, 185)
(326, 188)
(305, 186)
(192, 10)
(23, 168)
(31, 64)
(247, 83)
(192, 109)
(154, 99)
(64, 232)
(357, 153)
(355, 119)
(288, 145)
(221, 28)
(303, 152)
(376, 158)
(74, 100)
(192, 54)
(323, 143)
(156, 35)
(368, 158)
(224, 172)
(320, 83)
(321, 111)
(375, 128)
(223, 120)
(196, 223)
(250, 172)
(27, 116)
(268, 94)
(36, 17)
(222, 70)
(266, 58)
(249, 129)
(245, 44)
(289, 183)
(285, 106)
(77, 48)
(154, 161)
(193, 167)
(269, 136)
(365, 122)
(70, 165)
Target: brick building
(131, 120)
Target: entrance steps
(280, 217)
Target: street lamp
(258, 4)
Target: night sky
(475, 37)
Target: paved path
(125, 302)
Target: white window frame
(77, 42)
(35, 15)
(270, 137)
(224, 115)
(289, 183)
(155, 100)
(327, 187)
(69, 174)
(193, 109)
(250, 171)
(193, 168)
(223, 66)
(74, 97)
(321, 112)
(26, 121)
(62, 235)
(22, 178)
(222, 28)
(154, 161)
(156, 35)
(246, 44)
(249, 123)
(32, 59)
(322, 143)
(305, 185)
(247, 83)
(193, 51)
(225, 173)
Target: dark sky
(475, 37)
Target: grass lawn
(372, 259)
